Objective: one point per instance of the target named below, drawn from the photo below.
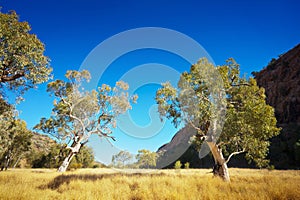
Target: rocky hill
(180, 148)
(281, 80)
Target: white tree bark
(220, 168)
(74, 150)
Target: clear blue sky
(252, 32)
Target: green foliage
(186, 165)
(177, 165)
(53, 157)
(15, 138)
(85, 157)
(146, 159)
(50, 158)
(249, 121)
(121, 159)
(22, 66)
(22, 62)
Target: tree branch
(234, 153)
(81, 123)
(240, 84)
(195, 127)
(11, 78)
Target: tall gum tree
(77, 114)
(231, 117)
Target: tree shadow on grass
(61, 179)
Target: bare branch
(234, 153)
(81, 123)
(195, 127)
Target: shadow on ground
(61, 179)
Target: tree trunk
(19, 158)
(74, 149)
(6, 161)
(220, 168)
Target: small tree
(146, 159)
(186, 165)
(121, 159)
(200, 101)
(77, 114)
(22, 61)
(177, 165)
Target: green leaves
(22, 61)
(146, 158)
(78, 113)
(15, 138)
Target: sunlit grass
(148, 184)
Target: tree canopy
(15, 138)
(121, 159)
(146, 158)
(23, 64)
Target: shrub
(177, 164)
(187, 165)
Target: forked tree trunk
(220, 168)
(74, 149)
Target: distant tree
(77, 114)
(186, 165)
(177, 165)
(22, 61)
(249, 121)
(121, 159)
(146, 159)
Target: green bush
(187, 165)
(177, 164)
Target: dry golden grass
(152, 184)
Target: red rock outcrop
(281, 80)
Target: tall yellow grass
(156, 184)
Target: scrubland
(148, 184)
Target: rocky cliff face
(281, 80)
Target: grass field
(148, 184)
